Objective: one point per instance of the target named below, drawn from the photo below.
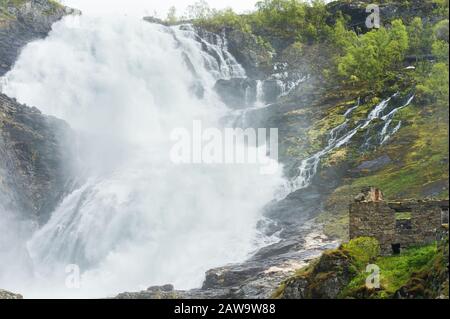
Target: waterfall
(136, 219)
(388, 119)
(260, 101)
(337, 137)
(340, 136)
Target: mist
(135, 219)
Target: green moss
(278, 294)
(421, 271)
(420, 150)
(363, 250)
(395, 272)
(6, 16)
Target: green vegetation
(419, 271)
(403, 216)
(375, 57)
(6, 5)
(421, 149)
(370, 60)
(291, 20)
(395, 272)
(363, 250)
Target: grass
(420, 151)
(395, 271)
(417, 268)
(363, 250)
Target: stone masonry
(396, 225)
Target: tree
(435, 86)
(415, 33)
(172, 15)
(199, 10)
(440, 50)
(374, 56)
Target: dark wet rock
(272, 90)
(9, 295)
(253, 56)
(226, 277)
(435, 188)
(35, 160)
(331, 273)
(237, 93)
(25, 22)
(373, 165)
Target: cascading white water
(385, 134)
(339, 136)
(137, 219)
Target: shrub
(374, 57)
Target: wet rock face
(25, 21)
(34, 159)
(9, 295)
(356, 11)
(237, 93)
(253, 56)
(374, 165)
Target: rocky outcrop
(24, 21)
(432, 282)
(34, 166)
(249, 52)
(255, 278)
(9, 295)
(323, 280)
(35, 159)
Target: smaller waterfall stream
(343, 134)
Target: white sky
(149, 7)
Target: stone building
(396, 225)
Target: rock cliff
(24, 21)
(34, 170)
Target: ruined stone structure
(396, 225)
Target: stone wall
(378, 219)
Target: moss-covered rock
(420, 272)
(326, 277)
